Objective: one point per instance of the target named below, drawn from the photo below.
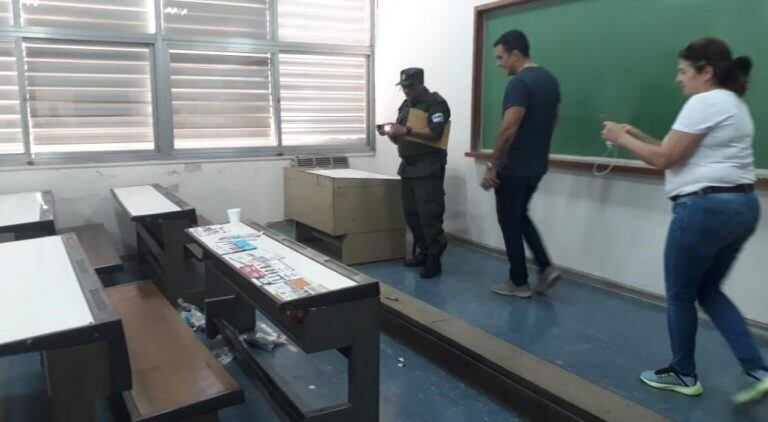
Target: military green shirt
(438, 115)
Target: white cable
(609, 147)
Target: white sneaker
(547, 279)
(511, 289)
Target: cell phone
(386, 128)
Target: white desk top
(352, 174)
(39, 291)
(283, 272)
(20, 208)
(144, 200)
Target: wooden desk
(27, 214)
(51, 301)
(97, 244)
(317, 302)
(160, 218)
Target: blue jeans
(512, 197)
(705, 236)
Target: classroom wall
(612, 226)
(82, 195)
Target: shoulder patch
(438, 118)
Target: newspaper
(279, 270)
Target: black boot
(432, 268)
(417, 260)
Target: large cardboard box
(343, 201)
(361, 210)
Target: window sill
(132, 159)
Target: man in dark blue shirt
(520, 159)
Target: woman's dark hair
(730, 73)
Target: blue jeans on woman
(705, 236)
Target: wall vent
(321, 162)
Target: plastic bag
(264, 338)
(223, 355)
(191, 315)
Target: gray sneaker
(547, 279)
(756, 391)
(669, 379)
(510, 289)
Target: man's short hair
(514, 40)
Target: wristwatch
(489, 165)
(408, 131)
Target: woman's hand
(615, 132)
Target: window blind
(324, 21)
(136, 16)
(323, 99)
(223, 18)
(10, 118)
(89, 96)
(221, 99)
(6, 12)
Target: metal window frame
(21, 81)
(160, 44)
(220, 48)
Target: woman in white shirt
(709, 174)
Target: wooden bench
(98, 247)
(175, 377)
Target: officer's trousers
(424, 206)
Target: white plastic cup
(234, 215)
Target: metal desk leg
(173, 257)
(76, 377)
(141, 248)
(224, 301)
(363, 372)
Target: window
(133, 16)
(231, 18)
(221, 99)
(138, 80)
(11, 141)
(323, 99)
(88, 97)
(6, 12)
(324, 21)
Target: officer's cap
(410, 75)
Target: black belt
(709, 190)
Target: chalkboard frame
(567, 162)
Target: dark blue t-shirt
(538, 91)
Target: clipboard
(417, 120)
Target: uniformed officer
(421, 135)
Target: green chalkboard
(619, 58)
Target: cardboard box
(358, 211)
(343, 201)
